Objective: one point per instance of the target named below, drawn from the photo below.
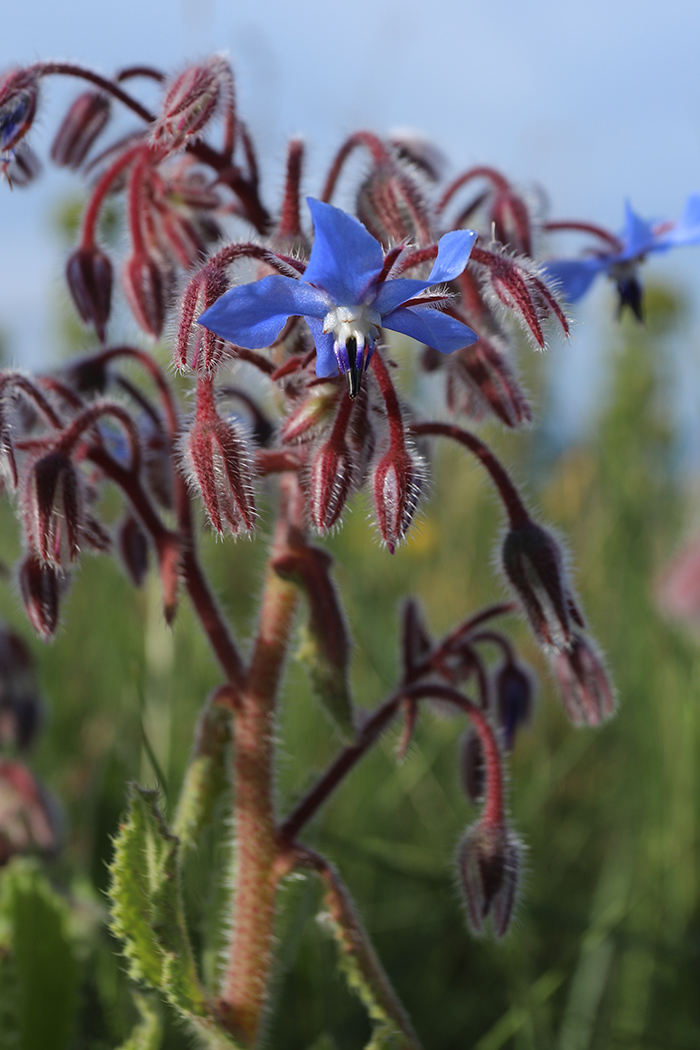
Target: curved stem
(510, 496)
(380, 155)
(494, 177)
(586, 227)
(70, 69)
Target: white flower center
(360, 323)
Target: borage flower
(345, 298)
(638, 239)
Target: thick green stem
(246, 980)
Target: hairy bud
(219, 467)
(19, 92)
(23, 167)
(397, 484)
(82, 124)
(390, 206)
(40, 587)
(331, 482)
(586, 691)
(89, 276)
(481, 378)
(516, 284)
(514, 700)
(52, 509)
(534, 565)
(21, 709)
(196, 347)
(191, 101)
(511, 219)
(488, 861)
(146, 288)
(311, 414)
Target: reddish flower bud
(133, 547)
(488, 861)
(81, 126)
(390, 205)
(480, 378)
(472, 766)
(420, 152)
(23, 167)
(146, 287)
(19, 92)
(514, 700)
(191, 101)
(397, 484)
(415, 640)
(331, 482)
(516, 284)
(196, 347)
(53, 509)
(220, 467)
(586, 690)
(29, 814)
(180, 239)
(534, 565)
(89, 276)
(40, 587)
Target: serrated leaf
(147, 913)
(206, 778)
(148, 1033)
(38, 962)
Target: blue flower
(345, 299)
(639, 238)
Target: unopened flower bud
(586, 691)
(311, 414)
(514, 700)
(220, 468)
(480, 378)
(191, 101)
(30, 817)
(331, 482)
(40, 587)
(196, 347)
(133, 547)
(21, 709)
(23, 167)
(511, 219)
(89, 276)
(81, 126)
(534, 565)
(517, 285)
(391, 207)
(19, 92)
(146, 288)
(488, 861)
(52, 509)
(397, 484)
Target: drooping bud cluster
(489, 861)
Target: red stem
(495, 177)
(397, 435)
(101, 190)
(586, 227)
(380, 155)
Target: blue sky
(591, 102)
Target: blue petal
(326, 363)
(345, 258)
(686, 230)
(638, 236)
(573, 277)
(253, 315)
(391, 294)
(453, 254)
(429, 326)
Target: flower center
(353, 329)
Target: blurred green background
(605, 949)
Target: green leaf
(206, 779)
(148, 1033)
(37, 962)
(147, 913)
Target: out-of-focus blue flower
(345, 299)
(639, 238)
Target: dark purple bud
(23, 168)
(53, 509)
(514, 700)
(586, 690)
(488, 861)
(220, 468)
(133, 547)
(40, 587)
(630, 296)
(21, 709)
(397, 484)
(473, 766)
(89, 276)
(331, 483)
(146, 287)
(19, 92)
(415, 640)
(191, 101)
(534, 565)
(81, 126)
